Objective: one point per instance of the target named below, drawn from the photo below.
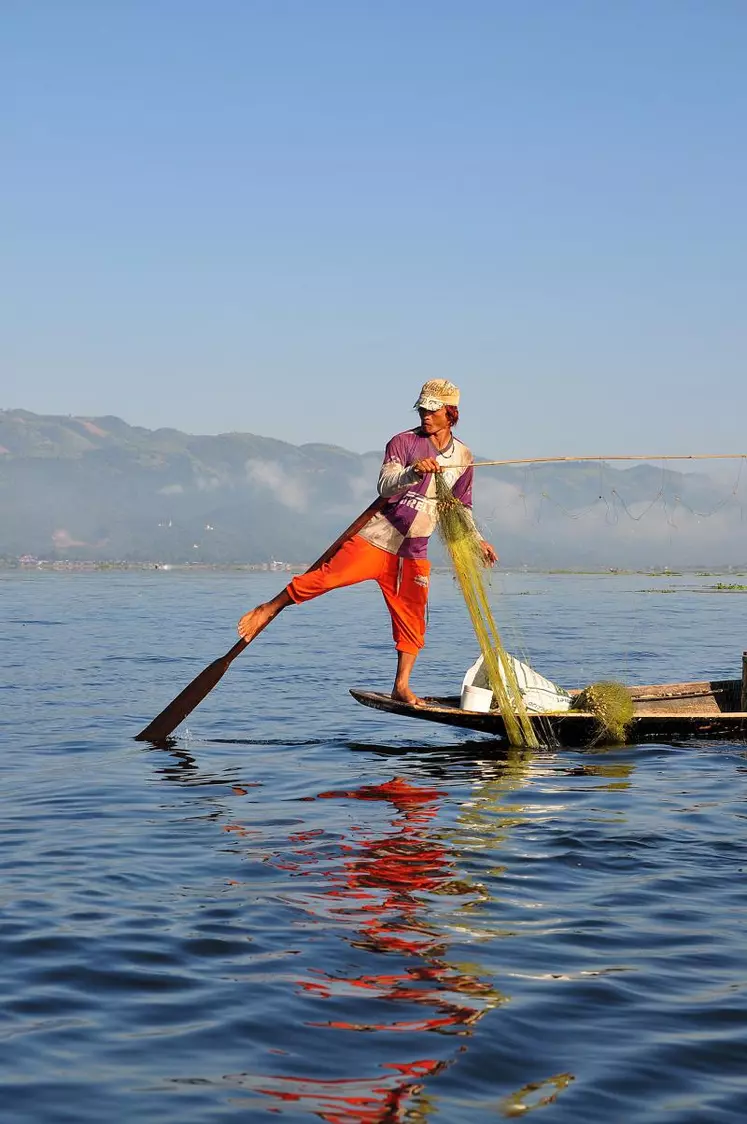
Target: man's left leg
(405, 589)
(401, 689)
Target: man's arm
(397, 474)
(394, 479)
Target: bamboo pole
(636, 457)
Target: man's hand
(489, 553)
(430, 464)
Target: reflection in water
(535, 1095)
(387, 879)
(382, 889)
(392, 888)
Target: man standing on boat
(391, 548)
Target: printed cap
(437, 393)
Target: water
(310, 910)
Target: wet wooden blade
(171, 716)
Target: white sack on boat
(540, 695)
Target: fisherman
(391, 548)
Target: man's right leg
(252, 623)
(355, 561)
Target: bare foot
(255, 620)
(405, 695)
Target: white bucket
(476, 698)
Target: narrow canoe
(707, 710)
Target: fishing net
(457, 529)
(613, 709)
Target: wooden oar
(167, 721)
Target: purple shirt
(409, 518)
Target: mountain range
(96, 488)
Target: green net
(457, 530)
(613, 709)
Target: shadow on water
(392, 886)
(466, 752)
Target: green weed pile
(612, 706)
(458, 533)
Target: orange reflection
(379, 1100)
(381, 888)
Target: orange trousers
(403, 582)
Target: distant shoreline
(73, 566)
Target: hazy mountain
(98, 488)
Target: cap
(437, 393)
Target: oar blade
(164, 724)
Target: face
(433, 421)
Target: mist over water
(310, 910)
(100, 490)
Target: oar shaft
(164, 724)
(356, 526)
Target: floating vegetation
(730, 587)
(612, 706)
(457, 529)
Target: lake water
(314, 911)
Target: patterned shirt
(409, 519)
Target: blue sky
(281, 216)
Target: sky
(283, 216)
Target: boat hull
(663, 712)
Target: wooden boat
(712, 709)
